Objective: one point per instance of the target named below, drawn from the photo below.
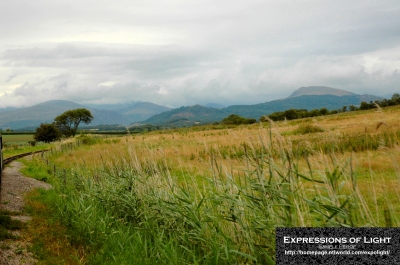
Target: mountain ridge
(320, 90)
(45, 112)
(200, 114)
(147, 112)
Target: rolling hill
(320, 90)
(47, 111)
(141, 110)
(144, 112)
(200, 114)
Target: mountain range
(149, 113)
(302, 98)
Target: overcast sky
(180, 52)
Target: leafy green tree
(395, 99)
(364, 105)
(236, 119)
(324, 111)
(291, 114)
(47, 133)
(69, 121)
(353, 108)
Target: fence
(1, 157)
(57, 148)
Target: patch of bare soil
(14, 186)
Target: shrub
(47, 133)
(236, 119)
(308, 128)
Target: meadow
(215, 194)
(17, 138)
(15, 144)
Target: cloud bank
(185, 52)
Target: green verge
(49, 238)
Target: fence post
(65, 178)
(1, 157)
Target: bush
(236, 119)
(47, 133)
(308, 128)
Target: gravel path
(13, 188)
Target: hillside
(214, 105)
(133, 111)
(188, 115)
(144, 112)
(319, 90)
(47, 111)
(141, 110)
(206, 115)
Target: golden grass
(187, 151)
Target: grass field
(214, 194)
(15, 144)
(17, 138)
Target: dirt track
(14, 186)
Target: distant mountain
(201, 114)
(7, 109)
(108, 117)
(47, 111)
(214, 105)
(141, 110)
(311, 102)
(188, 115)
(144, 112)
(115, 107)
(133, 111)
(319, 90)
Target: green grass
(308, 128)
(14, 138)
(138, 214)
(20, 149)
(48, 237)
(126, 210)
(6, 224)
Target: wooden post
(65, 178)
(1, 157)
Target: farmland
(17, 138)
(214, 194)
(15, 144)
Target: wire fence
(1, 158)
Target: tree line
(292, 114)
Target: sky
(181, 52)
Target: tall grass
(138, 209)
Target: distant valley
(149, 113)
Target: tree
(236, 119)
(47, 133)
(353, 108)
(69, 121)
(395, 99)
(324, 111)
(291, 114)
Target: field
(214, 194)
(17, 138)
(14, 144)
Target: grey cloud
(185, 52)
